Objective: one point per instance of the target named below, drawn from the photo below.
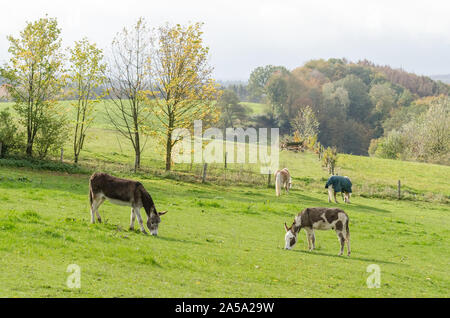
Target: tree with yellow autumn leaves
(35, 80)
(182, 89)
(86, 73)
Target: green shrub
(373, 147)
(329, 159)
(36, 164)
(391, 147)
(51, 136)
(10, 138)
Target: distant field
(221, 239)
(107, 150)
(257, 108)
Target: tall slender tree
(86, 75)
(128, 84)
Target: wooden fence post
(226, 154)
(205, 166)
(268, 179)
(62, 154)
(1, 146)
(120, 146)
(399, 190)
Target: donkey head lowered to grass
(123, 192)
(318, 219)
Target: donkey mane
(147, 201)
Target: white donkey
(282, 180)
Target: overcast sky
(244, 34)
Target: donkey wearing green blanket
(339, 184)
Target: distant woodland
(361, 108)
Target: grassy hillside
(223, 238)
(107, 150)
(214, 242)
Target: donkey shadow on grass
(308, 200)
(371, 260)
(370, 209)
(119, 231)
(171, 239)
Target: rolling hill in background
(443, 78)
(356, 104)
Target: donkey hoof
(144, 232)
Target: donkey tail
(347, 230)
(278, 183)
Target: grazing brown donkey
(123, 192)
(320, 219)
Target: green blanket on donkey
(340, 184)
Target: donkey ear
(285, 227)
(162, 213)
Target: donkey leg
(309, 241)
(335, 200)
(100, 202)
(347, 239)
(313, 240)
(329, 194)
(96, 202)
(341, 237)
(93, 212)
(348, 245)
(132, 219)
(141, 223)
(94, 206)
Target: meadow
(223, 238)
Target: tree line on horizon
(360, 108)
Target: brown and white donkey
(123, 192)
(319, 219)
